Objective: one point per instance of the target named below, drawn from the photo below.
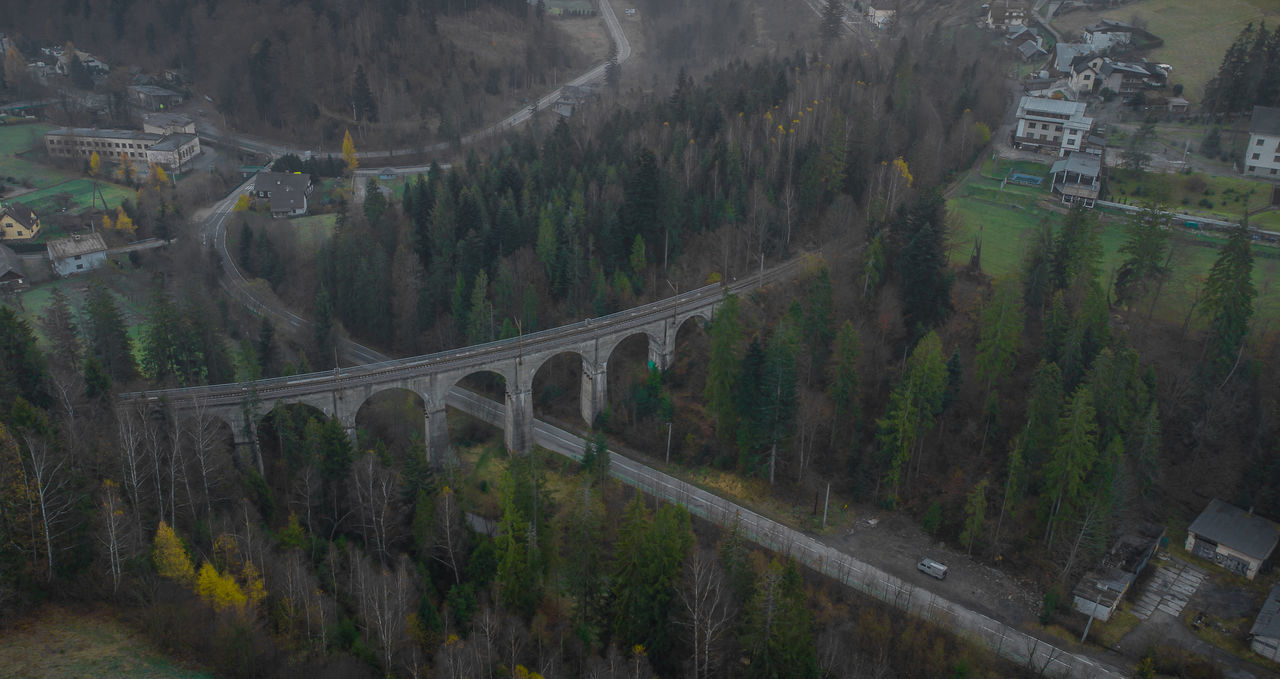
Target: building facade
(1053, 126)
(1232, 538)
(79, 253)
(1264, 636)
(170, 151)
(1262, 156)
(18, 222)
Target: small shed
(1100, 591)
(1233, 538)
(77, 254)
(1177, 104)
(1264, 636)
(12, 276)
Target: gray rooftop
(167, 119)
(79, 244)
(1268, 622)
(1065, 52)
(1233, 527)
(1030, 49)
(1266, 120)
(9, 261)
(1040, 105)
(154, 91)
(102, 134)
(172, 142)
(1080, 163)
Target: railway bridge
(340, 393)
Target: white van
(931, 567)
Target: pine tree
(23, 373)
(108, 335)
(842, 385)
(1000, 334)
(1146, 251)
(975, 513)
(1228, 302)
(722, 367)
(1074, 455)
(913, 408)
(925, 287)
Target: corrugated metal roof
(1268, 622)
(1266, 120)
(81, 244)
(1235, 528)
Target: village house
(12, 276)
(286, 193)
(1099, 592)
(1107, 34)
(1005, 13)
(1232, 538)
(77, 254)
(18, 222)
(170, 151)
(1051, 125)
(571, 98)
(1065, 54)
(880, 18)
(1086, 72)
(1262, 156)
(1078, 178)
(1128, 78)
(1264, 636)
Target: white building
(1262, 157)
(1264, 636)
(1051, 125)
(79, 253)
(1232, 538)
(170, 151)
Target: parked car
(931, 567)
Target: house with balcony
(1078, 178)
(1054, 126)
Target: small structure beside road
(1233, 538)
(1099, 592)
(286, 192)
(1078, 178)
(79, 253)
(1264, 636)
(12, 276)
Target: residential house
(12, 275)
(1064, 53)
(170, 151)
(168, 123)
(1031, 52)
(1264, 636)
(77, 254)
(880, 18)
(1107, 34)
(1128, 78)
(1262, 157)
(1233, 538)
(286, 193)
(1005, 13)
(1078, 178)
(1051, 125)
(62, 66)
(18, 222)
(1177, 104)
(571, 98)
(1086, 72)
(1099, 592)
(154, 97)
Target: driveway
(1169, 590)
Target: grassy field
(47, 181)
(1006, 219)
(61, 642)
(1196, 33)
(131, 292)
(311, 232)
(1197, 193)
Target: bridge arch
(563, 383)
(394, 415)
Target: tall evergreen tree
(108, 334)
(22, 368)
(722, 367)
(1228, 302)
(1146, 251)
(925, 286)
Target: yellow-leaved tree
(349, 152)
(219, 590)
(242, 203)
(95, 164)
(158, 175)
(124, 224)
(106, 223)
(171, 557)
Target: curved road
(595, 74)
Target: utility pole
(826, 504)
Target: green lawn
(131, 292)
(311, 232)
(1006, 219)
(48, 181)
(1196, 33)
(1197, 193)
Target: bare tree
(114, 531)
(203, 430)
(450, 536)
(377, 491)
(384, 598)
(132, 464)
(708, 609)
(52, 494)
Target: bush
(1205, 202)
(932, 520)
(1195, 184)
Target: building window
(1259, 142)
(1253, 168)
(1255, 156)
(79, 266)
(77, 258)
(1273, 170)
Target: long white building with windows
(170, 151)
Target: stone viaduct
(341, 392)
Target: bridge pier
(518, 432)
(437, 437)
(661, 356)
(594, 391)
